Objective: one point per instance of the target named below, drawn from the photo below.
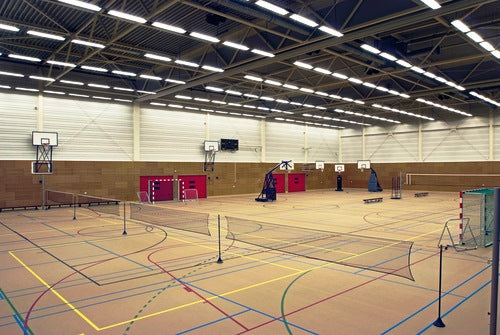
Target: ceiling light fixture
(370, 49)
(93, 68)
(53, 62)
(204, 37)
(82, 4)
(168, 27)
(271, 7)
(45, 35)
(30, 59)
(303, 20)
(460, 26)
(98, 86)
(8, 27)
(71, 82)
(124, 73)
(186, 63)
(331, 31)
(42, 78)
(163, 58)
(89, 44)
(261, 52)
(127, 16)
(236, 45)
(147, 76)
(212, 68)
(431, 3)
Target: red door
(296, 182)
(198, 182)
(279, 180)
(159, 188)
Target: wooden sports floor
(83, 276)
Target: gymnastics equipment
(368, 253)
(373, 184)
(396, 187)
(268, 192)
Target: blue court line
(57, 229)
(118, 255)
(20, 324)
(434, 301)
(1, 296)
(213, 322)
(457, 305)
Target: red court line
(189, 289)
(333, 296)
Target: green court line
(15, 310)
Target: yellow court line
(55, 292)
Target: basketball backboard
(320, 165)
(363, 164)
(44, 137)
(339, 167)
(211, 146)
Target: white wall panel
(323, 144)
(393, 144)
(90, 130)
(284, 142)
(352, 149)
(18, 120)
(246, 131)
(174, 136)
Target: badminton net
(375, 254)
(171, 218)
(98, 204)
(59, 198)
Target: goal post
(190, 194)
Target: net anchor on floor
(456, 246)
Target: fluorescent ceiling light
(403, 63)
(321, 70)
(163, 58)
(339, 75)
(271, 7)
(234, 104)
(98, 85)
(429, 74)
(307, 90)
(204, 37)
(331, 31)
(71, 82)
(42, 78)
(309, 105)
(26, 89)
(355, 80)
(321, 93)
(304, 65)
(124, 73)
(8, 27)
(123, 89)
(11, 74)
(381, 88)
(145, 92)
(45, 35)
(272, 82)
(183, 62)
(369, 85)
(334, 96)
(290, 86)
(487, 46)
(251, 95)
(282, 101)
(192, 108)
(213, 88)
(406, 96)
(53, 62)
(441, 79)
(496, 53)
(249, 106)
(263, 53)
(82, 4)
(212, 68)
(122, 100)
(127, 16)
(254, 78)
(89, 44)
(184, 97)
(147, 76)
(460, 26)
(202, 100)
(370, 49)
(393, 92)
(31, 59)
(236, 45)
(157, 104)
(431, 3)
(266, 98)
(295, 103)
(303, 20)
(78, 95)
(54, 92)
(388, 56)
(219, 102)
(175, 81)
(101, 98)
(347, 99)
(475, 37)
(359, 102)
(93, 68)
(233, 92)
(168, 27)
(417, 69)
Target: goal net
(190, 194)
(143, 196)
